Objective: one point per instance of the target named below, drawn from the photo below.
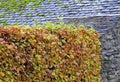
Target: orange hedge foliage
(42, 55)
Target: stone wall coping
(102, 15)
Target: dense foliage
(57, 54)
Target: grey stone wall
(60, 8)
(109, 29)
(103, 15)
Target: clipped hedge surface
(44, 55)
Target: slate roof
(52, 11)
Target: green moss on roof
(17, 5)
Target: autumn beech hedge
(53, 54)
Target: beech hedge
(65, 54)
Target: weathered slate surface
(61, 8)
(109, 29)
